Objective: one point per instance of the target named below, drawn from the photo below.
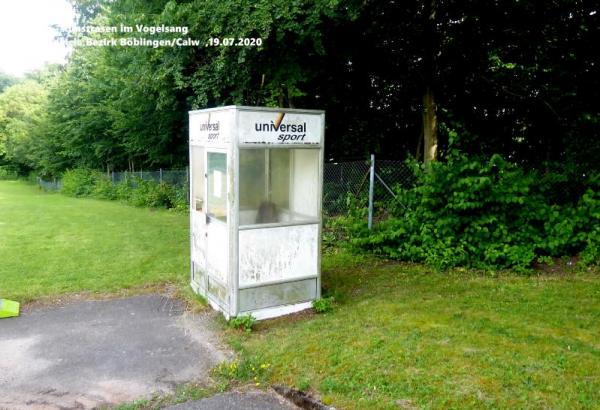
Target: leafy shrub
(133, 190)
(570, 229)
(178, 198)
(104, 189)
(591, 253)
(588, 228)
(138, 192)
(124, 189)
(32, 177)
(480, 213)
(151, 194)
(243, 322)
(7, 173)
(323, 305)
(79, 182)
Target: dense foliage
(7, 173)
(132, 190)
(6, 81)
(485, 214)
(516, 78)
(516, 82)
(22, 111)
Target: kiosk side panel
(211, 134)
(268, 255)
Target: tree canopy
(518, 78)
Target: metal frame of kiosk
(256, 184)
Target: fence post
(160, 175)
(371, 189)
(113, 177)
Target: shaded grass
(403, 336)
(52, 245)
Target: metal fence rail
(176, 177)
(350, 184)
(345, 184)
(49, 185)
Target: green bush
(79, 182)
(132, 190)
(569, 229)
(588, 227)
(323, 305)
(178, 198)
(591, 252)
(243, 322)
(149, 194)
(7, 173)
(157, 195)
(124, 189)
(480, 213)
(104, 189)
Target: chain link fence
(50, 185)
(348, 184)
(345, 184)
(175, 177)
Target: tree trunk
(430, 134)
(418, 155)
(431, 46)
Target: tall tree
(431, 49)
(22, 109)
(518, 77)
(6, 81)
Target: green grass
(401, 336)
(52, 245)
(183, 393)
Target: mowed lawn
(403, 337)
(51, 245)
(400, 336)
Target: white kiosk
(255, 208)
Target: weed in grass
(303, 384)
(243, 322)
(251, 369)
(183, 393)
(323, 305)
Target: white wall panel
(272, 254)
(217, 251)
(199, 238)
